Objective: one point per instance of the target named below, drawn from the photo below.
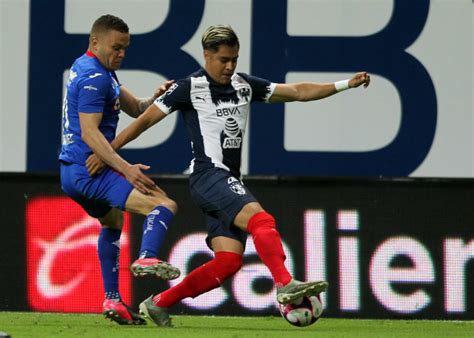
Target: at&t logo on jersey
(231, 136)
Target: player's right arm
(94, 138)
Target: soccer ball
(305, 312)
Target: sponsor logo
(202, 98)
(232, 143)
(72, 76)
(228, 111)
(231, 136)
(168, 92)
(150, 221)
(90, 87)
(63, 271)
(95, 75)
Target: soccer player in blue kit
(91, 110)
(215, 102)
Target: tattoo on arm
(144, 103)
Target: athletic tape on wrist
(341, 85)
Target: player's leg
(85, 190)
(227, 261)
(159, 210)
(117, 192)
(109, 252)
(262, 226)
(101, 197)
(219, 192)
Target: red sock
(202, 279)
(267, 242)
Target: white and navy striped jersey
(215, 115)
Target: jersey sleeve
(177, 97)
(262, 89)
(92, 93)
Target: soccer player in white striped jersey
(215, 102)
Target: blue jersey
(90, 89)
(215, 115)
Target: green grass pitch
(45, 325)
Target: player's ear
(93, 42)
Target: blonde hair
(218, 35)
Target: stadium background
(372, 189)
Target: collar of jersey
(92, 55)
(213, 82)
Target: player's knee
(261, 220)
(113, 220)
(170, 204)
(160, 201)
(229, 262)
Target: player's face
(110, 47)
(221, 64)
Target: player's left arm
(150, 117)
(310, 91)
(135, 106)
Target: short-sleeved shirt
(90, 89)
(215, 116)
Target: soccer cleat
(120, 313)
(153, 266)
(159, 315)
(296, 289)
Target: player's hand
(163, 88)
(359, 79)
(94, 165)
(138, 179)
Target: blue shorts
(221, 196)
(98, 194)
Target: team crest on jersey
(231, 136)
(243, 94)
(236, 186)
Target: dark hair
(218, 35)
(109, 22)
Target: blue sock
(154, 231)
(109, 253)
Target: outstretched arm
(94, 138)
(150, 117)
(135, 106)
(310, 91)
